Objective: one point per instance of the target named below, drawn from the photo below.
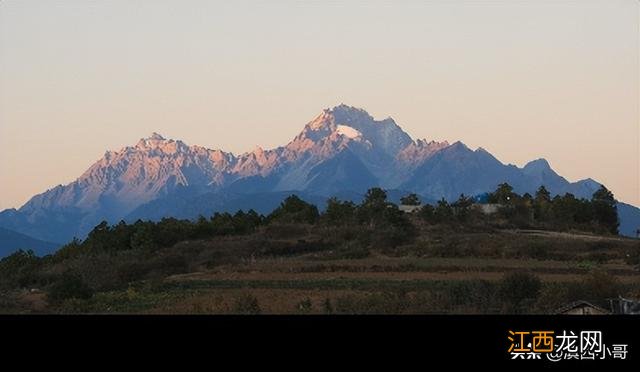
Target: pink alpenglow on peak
(342, 149)
(348, 131)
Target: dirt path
(394, 276)
(567, 235)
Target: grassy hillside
(302, 269)
(367, 258)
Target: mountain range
(10, 241)
(342, 152)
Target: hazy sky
(523, 79)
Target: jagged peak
(154, 139)
(156, 136)
(157, 141)
(589, 181)
(538, 163)
(423, 142)
(348, 111)
(344, 114)
(458, 145)
(351, 124)
(324, 121)
(537, 166)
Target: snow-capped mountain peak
(384, 136)
(342, 149)
(348, 131)
(156, 136)
(155, 140)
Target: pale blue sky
(523, 79)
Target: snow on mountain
(344, 150)
(385, 135)
(121, 181)
(137, 174)
(419, 151)
(348, 131)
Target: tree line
(375, 214)
(375, 219)
(344, 229)
(561, 212)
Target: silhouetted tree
(18, 269)
(443, 212)
(143, 237)
(542, 204)
(339, 212)
(503, 194)
(294, 210)
(411, 199)
(605, 210)
(73, 248)
(461, 207)
(384, 223)
(427, 213)
(223, 224)
(244, 223)
(543, 195)
(375, 196)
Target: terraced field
(437, 273)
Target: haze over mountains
(10, 241)
(342, 152)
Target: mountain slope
(457, 170)
(11, 241)
(343, 151)
(190, 207)
(629, 219)
(118, 183)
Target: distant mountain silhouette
(11, 241)
(629, 219)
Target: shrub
(339, 213)
(70, 250)
(552, 297)
(19, 269)
(373, 303)
(294, 210)
(599, 286)
(284, 230)
(172, 264)
(246, 304)
(69, 286)
(131, 272)
(304, 306)
(632, 257)
(515, 288)
(328, 307)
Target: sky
(523, 79)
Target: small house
(409, 208)
(582, 308)
(626, 306)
